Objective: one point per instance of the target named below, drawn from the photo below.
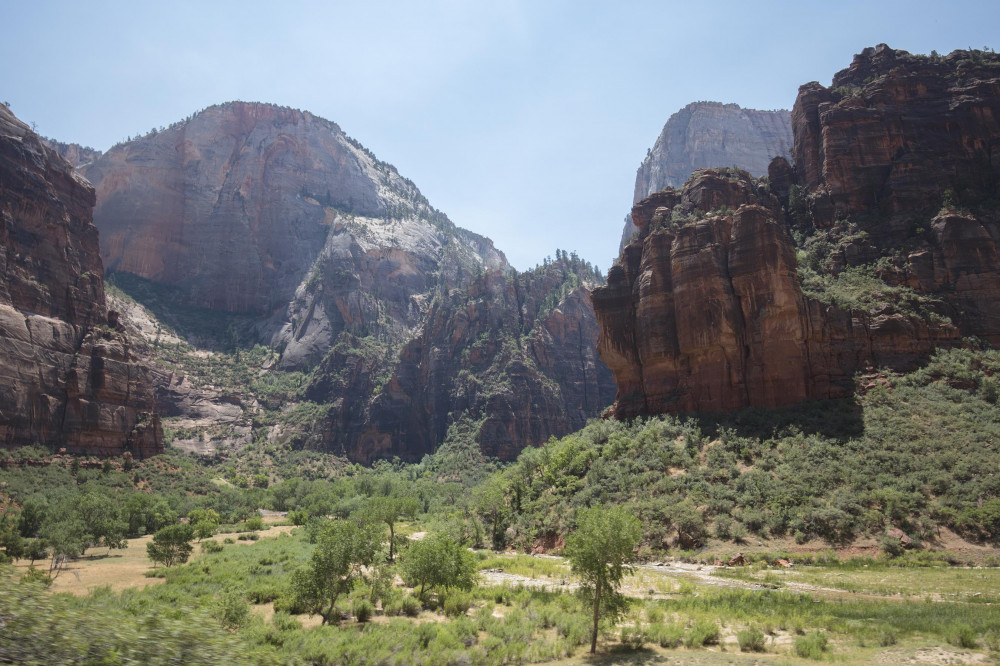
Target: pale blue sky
(523, 121)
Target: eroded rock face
(709, 314)
(707, 135)
(896, 174)
(234, 204)
(411, 323)
(496, 356)
(895, 131)
(67, 374)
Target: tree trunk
(597, 616)
(392, 537)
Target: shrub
(634, 637)
(282, 621)
(811, 646)
(211, 547)
(362, 610)
(702, 633)
(410, 606)
(668, 635)
(457, 604)
(962, 635)
(751, 639)
(231, 608)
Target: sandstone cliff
(68, 377)
(272, 221)
(234, 205)
(77, 155)
(892, 201)
(512, 358)
(706, 135)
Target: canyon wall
(876, 247)
(68, 377)
(710, 134)
(276, 216)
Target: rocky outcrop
(709, 314)
(513, 357)
(895, 178)
(77, 155)
(909, 146)
(895, 131)
(706, 135)
(68, 377)
(233, 205)
(408, 324)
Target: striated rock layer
(710, 134)
(710, 315)
(67, 374)
(895, 181)
(233, 205)
(345, 269)
(512, 358)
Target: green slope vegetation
(915, 452)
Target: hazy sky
(523, 121)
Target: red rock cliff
(895, 180)
(67, 375)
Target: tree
(67, 538)
(388, 511)
(171, 545)
(204, 521)
(342, 549)
(599, 552)
(439, 561)
(102, 516)
(490, 502)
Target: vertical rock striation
(67, 374)
(710, 134)
(893, 195)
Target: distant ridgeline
(252, 223)
(877, 246)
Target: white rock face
(710, 134)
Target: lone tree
(171, 545)
(388, 511)
(599, 552)
(439, 562)
(342, 549)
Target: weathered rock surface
(709, 315)
(345, 267)
(710, 134)
(77, 155)
(512, 357)
(895, 131)
(68, 377)
(234, 204)
(896, 173)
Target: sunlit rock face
(896, 172)
(409, 323)
(706, 135)
(68, 377)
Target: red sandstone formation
(67, 374)
(897, 162)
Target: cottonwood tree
(388, 511)
(343, 548)
(171, 545)
(439, 561)
(599, 552)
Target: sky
(522, 121)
